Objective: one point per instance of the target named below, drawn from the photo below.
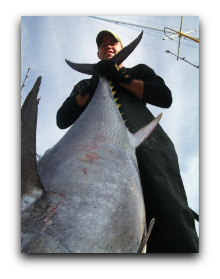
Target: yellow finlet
(116, 66)
(125, 120)
(122, 112)
(109, 81)
(118, 105)
(116, 99)
(113, 92)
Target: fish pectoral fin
(143, 133)
(144, 241)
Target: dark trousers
(165, 198)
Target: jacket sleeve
(70, 111)
(155, 90)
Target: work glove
(111, 71)
(91, 86)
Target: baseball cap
(106, 33)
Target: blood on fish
(52, 212)
(89, 157)
(84, 170)
(50, 192)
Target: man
(164, 194)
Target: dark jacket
(155, 93)
(164, 193)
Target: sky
(47, 41)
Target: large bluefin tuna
(87, 197)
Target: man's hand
(92, 85)
(88, 91)
(111, 71)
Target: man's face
(108, 48)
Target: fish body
(93, 201)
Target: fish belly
(97, 202)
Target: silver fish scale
(108, 121)
(103, 209)
(94, 200)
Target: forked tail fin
(118, 58)
(143, 133)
